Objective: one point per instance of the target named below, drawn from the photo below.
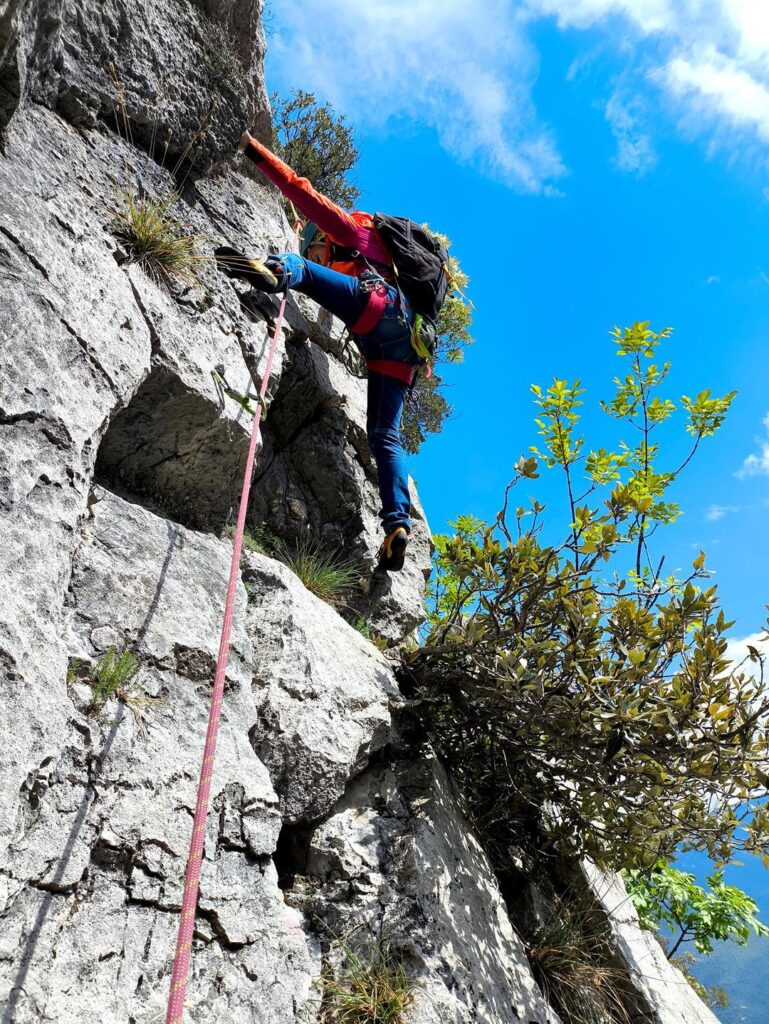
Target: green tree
(318, 143)
(428, 408)
(575, 691)
(670, 903)
(669, 898)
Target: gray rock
(666, 996)
(178, 66)
(324, 693)
(397, 863)
(105, 825)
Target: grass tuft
(571, 957)
(257, 539)
(157, 239)
(373, 992)
(365, 630)
(114, 675)
(327, 574)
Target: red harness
(372, 314)
(367, 321)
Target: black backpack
(420, 261)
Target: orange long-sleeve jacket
(354, 230)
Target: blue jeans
(346, 298)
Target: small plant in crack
(75, 668)
(156, 238)
(257, 539)
(220, 57)
(365, 630)
(571, 956)
(368, 988)
(115, 675)
(330, 575)
(150, 222)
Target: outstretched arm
(329, 217)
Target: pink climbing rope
(177, 996)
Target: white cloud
(713, 279)
(717, 86)
(757, 463)
(635, 152)
(737, 651)
(649, 15)
(469, 72)
(716, 512)
(431, 61)
(709, 57)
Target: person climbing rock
(346, 267)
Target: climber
(346, 267)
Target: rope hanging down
(176, 999)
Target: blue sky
(595, 162)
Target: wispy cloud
(720, 88)
(757, 463)
(635, 151)
(470, 73)
(716, 512)
(710, 58)
(438, 62)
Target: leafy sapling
(670, 900)
(671, 904)
(571, 684)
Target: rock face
(177, 65)
(397, 859)
(120, 465)
(661, 987)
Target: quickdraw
(244, 401)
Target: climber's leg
(340, 294)
(234, 263)
(385, 405)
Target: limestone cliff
(120, 464)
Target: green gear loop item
(244, 401)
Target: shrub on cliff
(156, 238)
(575, 690)
(318, 143)
(151, 222)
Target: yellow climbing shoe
(392, 553)
(236, 264)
